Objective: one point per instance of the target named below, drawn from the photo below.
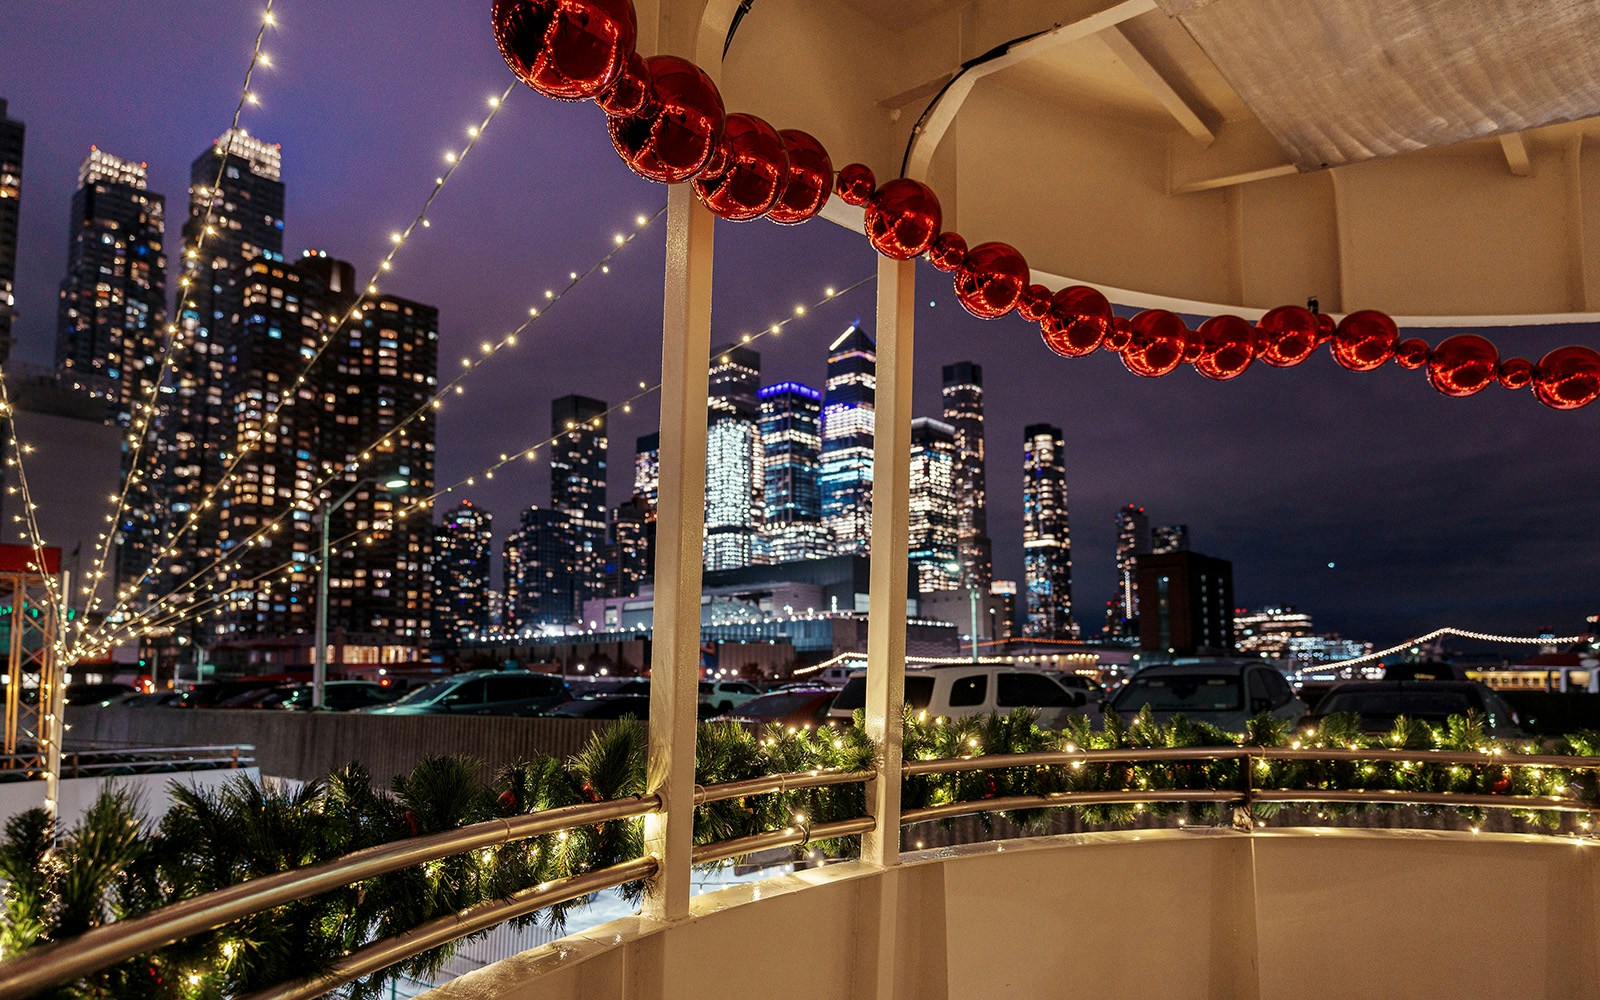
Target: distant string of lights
(142, 418)
(29, 518)
(287, 397)
(158, 615)
(434, 403)
(1522, 640)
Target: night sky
(1478, 513)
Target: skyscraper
(628, 566)
(538, 571)
(934, 539)
(647, 469)
(12, 134)
(1133, 540)
(1187, 601)
(847, 434)
(463, 545)
(113, 299)
(1046, 539)
(239, 218)
(578, 490)
(963, 411)
(1169, 538)
(730, 528)
(791, 445)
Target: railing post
(680, 527)
(891, 532)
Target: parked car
(724, 696)
(1093, 688)
(480, 692)
(97, 694)
(1226, 693)
(956, 692)
(211, 694)
(156, 699)
(789, 707)
(1379, 703)
(337, 696)
(607, 706)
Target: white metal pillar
(891, 534)
(680, 527)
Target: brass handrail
(1055, 758)
(779, 783)
(793, 836)
(1058, 800)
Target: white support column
(680, 526)
(891, 534)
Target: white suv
(956, 692)
(725, 696)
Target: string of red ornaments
(668, 123)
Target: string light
(1459, 633)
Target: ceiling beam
(1156, 82)
(1516, 152)
(942, 114)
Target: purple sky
(1479, 513)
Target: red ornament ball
(1286, 336)
(991, 280)
(681, 126)
(567, 49)
(1411, 353)
(1119, 336)
(903, 218)
(1515, 373)
(1193, 347)
(1567, 378)
(1227, 346)
(1463, 365)
(1326, 328)
(628, 95)
(754, 171)
(1156, 346)
(810, 179)
(1035, 302)
(949, 251)
(1077, 321)
(1365, 340)
(856, 185)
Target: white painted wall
(78, 794)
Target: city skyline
(1468, 517)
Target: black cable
(989, 56)
(738, 15)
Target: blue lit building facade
(791, 444)
(847, 434)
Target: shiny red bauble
(1567, 378)
(991, 280)
(1227, 346)
(856, 185)
(567, 49)
(627, 96)
(949, 251)
(673, 138)
(1463, 365)
(1119, 336)
(1034, 303)
(903, 217)
(810, 179)
(1156, 346)
(1411, 353)
(1515, 373)
(1286, 336)
(1193, 346)
(755, 167)
(1365, 340)
(1077, 321)
(1326, 328)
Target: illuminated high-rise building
(847, 435)
(462, 548)
(791, 444)
(1169, 538)
(733, 459)
(12, 139)
(1133, 540)
(628, 565)
(963, 411)
(933, 548)
(1046, 538)
(538, 571)
(578, 490)
(113, 299)
(647, 469)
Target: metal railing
(106, 761)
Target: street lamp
(319, 669)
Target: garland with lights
(667, 121)
(111, 866)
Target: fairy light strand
(397, 241)
(142, 418)
(1459, 633)
(30, 516)
(171, 616)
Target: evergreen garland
(111, 865)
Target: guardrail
(100, 762)
(108, 945)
